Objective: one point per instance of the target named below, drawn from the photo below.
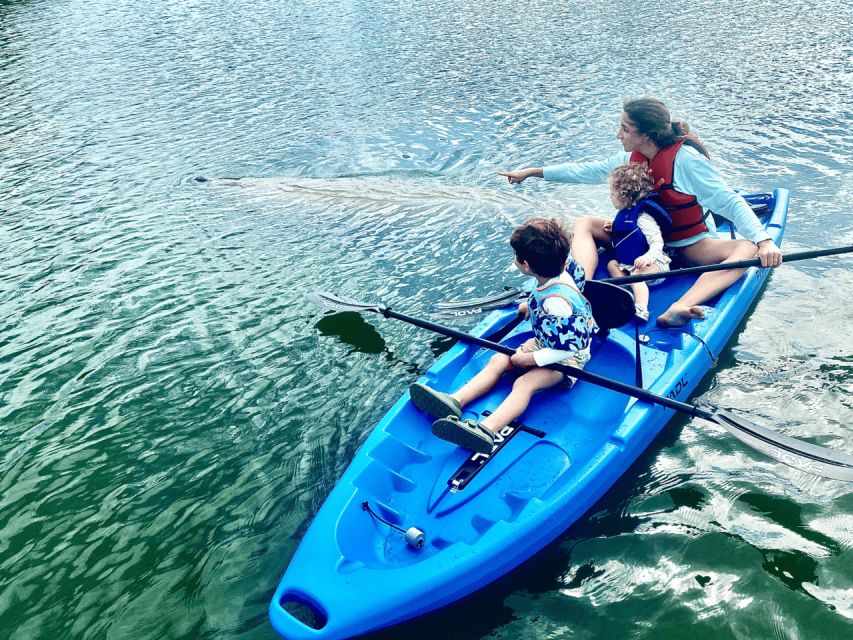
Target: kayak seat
(612, 306)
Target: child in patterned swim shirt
(563, 327)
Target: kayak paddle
(496, 301)
(804, 456)
(723, 266)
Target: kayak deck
(407, 476)
(354, 573)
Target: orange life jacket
(688, 218)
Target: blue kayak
(416, 523)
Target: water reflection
(173, 416)
(352, 329)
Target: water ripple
(174, 412)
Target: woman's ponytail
(652, 119)
(680, 128)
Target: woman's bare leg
(707, 251)
(587, 233)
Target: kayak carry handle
(297, 615)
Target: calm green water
(172, 413)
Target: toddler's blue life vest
(628, 240)
(566, 333)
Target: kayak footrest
(472, 466)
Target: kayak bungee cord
(414, 536)
(795, 453)
(686, 333)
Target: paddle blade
(478, 305)
(334, 303)
(804, 456)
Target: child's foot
(641, 312)
(469, 434)
(680, 314)
(435, 403)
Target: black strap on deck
(637, 358)
(472, 466)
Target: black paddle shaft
(801, 455)
(497, 301)
(724, 266)
(580, 374)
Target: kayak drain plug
(414, 537)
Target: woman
(688, 187)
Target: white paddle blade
(335, 303)
(804, 456)
(479, 305)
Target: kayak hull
(354, 571)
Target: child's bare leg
(641, 289)
(641, 294)
(484, 380)
(516, 402)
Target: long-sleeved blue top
(692, 174)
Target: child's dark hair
(544, 244)
(632, 182)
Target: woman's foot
(679, 314)
(435, 403)
(465, 433)
(641, 312)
